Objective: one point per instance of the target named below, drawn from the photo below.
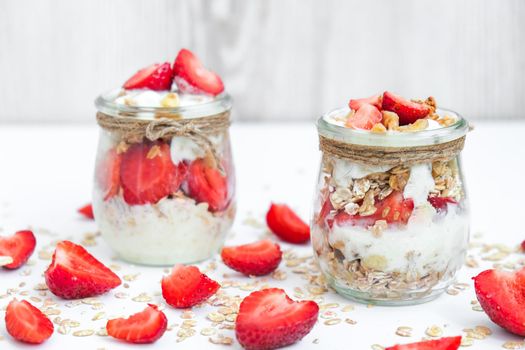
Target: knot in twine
(197, 129)
(392, 156)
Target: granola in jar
(391, 220)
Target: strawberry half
(372, 100)
(407, 111)
(286, 224)
(19, 247)
(74, 273)
(155, 77)
(87, 211)
(27, 323)
(501, 294)
(206, 184)
(365, 118)
(147, 173)
(441, 203)
(257, 259)
(192, 77)
(448, 343)
(108, 174)
(143, 327)
(186, 286)
(269, 319)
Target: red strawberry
(394, 209)
(322, 217)
(108, 174)
(19, 247)
(269, 319)
(147, 173)
(74, 273)
(501, 294)
(523, 246)
(286, 224)
(257, 259)
(191, 76)
(448, 343)
(26, 323)
(365, 118)
(143, 327)
(372, 100)
(407, 111)
(186, 286)
(155, 77)
(87, 211)
(441, 203)
(206, 184)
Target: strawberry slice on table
(206, 184)
(26, 323)
(147, 173)
(143, 327)
(108, 174)
(286, 224)
(74, 273)
(158, 76)
(501, 294)
(447, 343)
(87, 211)
(19, 247)
(375, 101)
(365, 118)
(407, 111)
(441, 203)
(186, 286)
(269, 319)
(191, 76)
(257, 259)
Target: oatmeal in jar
(164, 177)
(391, 218)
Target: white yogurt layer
(151, 98)
(172, 231)
(184, 148)
(419, 184)
(428, 243)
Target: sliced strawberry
(191, 76)
(407, 111)
(108, 174)
(74, 273)
(155, 77)
(147, 173)
(269, 319)
(143, 327)
(206, 184)
(501, 294)
(19, 247)
(87, 211)
(365, 118)
(523, 246)
(441, 203)
(286, 224)
(448, 343)
(186, 286)
(26, 323)
(372, 100)
(322, 217)
(393, 209)
(257, 259)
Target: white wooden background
(280, 59)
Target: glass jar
(164, 180)
(391, 221)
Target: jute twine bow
(393, 156)
(133, 130)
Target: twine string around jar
(393, 156)
(197, 129)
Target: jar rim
(105, 104)
(403, 139)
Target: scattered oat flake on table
(84, 333)
(404, 331)
(434, 331)
(513, 345)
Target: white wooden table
(45, 175)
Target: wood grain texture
(280, 59)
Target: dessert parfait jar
(391, 219)
(164, 178)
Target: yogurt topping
(151, 98)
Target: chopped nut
(153, 152)
(170, 100)
(374, 262)
(391, 120)
(378, 128)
